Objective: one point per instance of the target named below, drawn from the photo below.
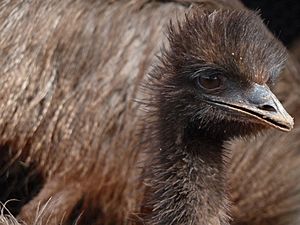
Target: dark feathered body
(70, 72)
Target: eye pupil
(211, 82)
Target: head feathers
(235, 42)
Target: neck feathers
(186, 179)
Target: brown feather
(70, 72)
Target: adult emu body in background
(76, 147)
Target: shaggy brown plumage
(295, 49)
(72, 136)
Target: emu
(76, 146)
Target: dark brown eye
(209, 82)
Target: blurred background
(281, 16)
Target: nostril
(267, 108)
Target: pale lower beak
(261, 104)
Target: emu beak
(262, 105)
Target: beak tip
(288, 124)
(292, 123)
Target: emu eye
(209, 82)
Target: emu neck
(188, 185)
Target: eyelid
(212, 75)
(214, 90)
(208, 73)
(222, 77)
